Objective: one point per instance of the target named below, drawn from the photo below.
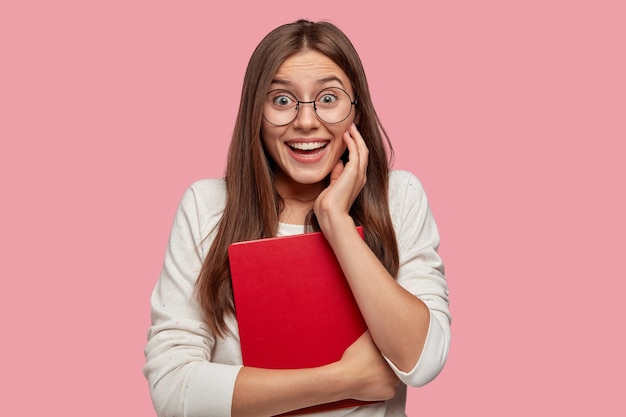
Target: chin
(309, 178)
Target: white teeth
(307, 146)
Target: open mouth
(307, 148)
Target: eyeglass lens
(332, 105)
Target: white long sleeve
(191, 373)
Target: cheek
(340, 129)
(271, 141)
(268, 136)
(264, 133)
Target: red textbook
(294, 306)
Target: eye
(327, 99)
(283, 99)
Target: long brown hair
(252, 204)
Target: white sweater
(192, 373)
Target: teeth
(307, 146)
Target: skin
(299, 183)
(397, 320)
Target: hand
(346, 182)
(368, 375)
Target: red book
(294, 306)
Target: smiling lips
(307, 148)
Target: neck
(296, 192)
(298, 199)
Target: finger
(336, 172)
(358, 139)
(353, 150)
(362, 149)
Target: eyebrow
(324, 80)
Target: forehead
(308, 69)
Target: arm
(361, 373)
(183, 375)
(182, 366)
(396, 310)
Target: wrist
(336, 225)
(337, 378)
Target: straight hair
(253, 205)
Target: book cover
(294, 306)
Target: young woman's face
(306, 149)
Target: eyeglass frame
(298, 102)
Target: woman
(307, 154)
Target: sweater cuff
(210, 390)
(431, 360)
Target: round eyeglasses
(332, 105)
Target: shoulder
(208, 189)
(407, 198)
(211, 191)
(403, 184)
(402, 176)
(203, 203)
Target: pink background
(511, 113)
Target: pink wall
(511, 113)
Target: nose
(306, 118)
